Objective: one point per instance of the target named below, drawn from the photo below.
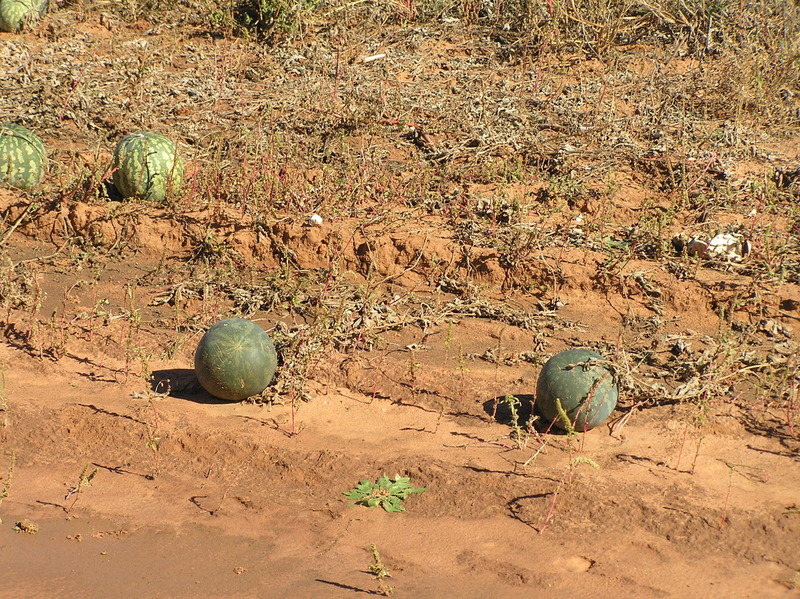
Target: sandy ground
(240, 509)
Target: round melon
(18, 14)
(23, 160)
(235, 359)
(584, 385)
(147, 166)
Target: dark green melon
(19, 14)
(235, 359)
(147, 166)
(583, 383)
(23, 160)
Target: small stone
(26, 526)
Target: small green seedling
(84, 480)
(387, 493)
(379, 571)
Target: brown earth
(484, 206)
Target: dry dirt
(484, 206)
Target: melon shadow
(183, 384)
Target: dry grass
(493, 123)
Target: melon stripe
(23, 159)
(147, 166)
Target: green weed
(85, 479)
(153, 442)
(386, 493)
(261, 18)
(520, 433)
(379, 571)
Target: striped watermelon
(235, 359)
(23, 160)
(19, 14)
(147, 166)
(583, 383)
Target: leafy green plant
(386, 493)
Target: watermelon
(18, 14)
(23, 160)
(235, 359)
(147, 166)
(583, 383)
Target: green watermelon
(235, 359)
(583, 383)
(147, 166)
(23, 160)
(18, 14)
